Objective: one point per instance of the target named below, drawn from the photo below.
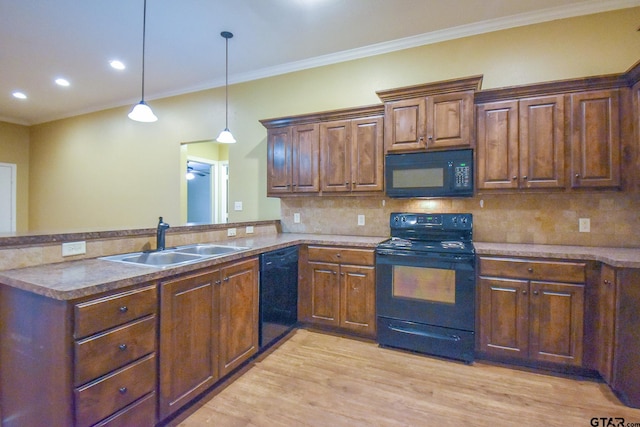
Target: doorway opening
(8, 197)
(207, 191)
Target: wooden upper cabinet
(450, 120)
(338, 151)
(335, 142)
(352, 156)
(595, 139)
(405, 125)
(293, 159)
(430, 117)
(541, 126)
(521, 143)
(279, 143)
(305, 159)
(497, 145)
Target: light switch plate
(296, 218)
(237, 206)
(249, 229)
(74, 248)
(360, 219)
(584, 225)
(231, 232)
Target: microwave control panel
(462, 175)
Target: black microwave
(429, 174)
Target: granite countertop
(615, 257)
(77, 279)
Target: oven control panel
(445, 221)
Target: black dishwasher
(278, 294)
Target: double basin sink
(173, 257)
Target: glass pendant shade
(141, 112)
(226, 137)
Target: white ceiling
(41, 40)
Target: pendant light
(225, 136)
(141, 112)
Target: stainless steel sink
(209, 249)
(176, 256)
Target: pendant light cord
(226, 84)
(144, 32)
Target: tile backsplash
(542, 218)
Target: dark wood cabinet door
(595, 139)
(497, 145)
(279, 152)
(504, 317)
(542, 142)
(324, 294)
(556, 322)
(605, 327)
(357, 301)
(450, 120)
(238, 314)
(405, 125)
(367, 154)
(335, 159)
(305, 159)
(188, 339)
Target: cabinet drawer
(341, 255)
(98, 355)
(139, 413)
(105, 313)
(561, 271)
(102, 398)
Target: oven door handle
(412, 331)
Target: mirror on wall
(204, 175)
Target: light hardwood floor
(316, 379)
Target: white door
(7, 198)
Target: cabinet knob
(577, 175)
(346, 184)
(334, 273)
(218, 282)
(226, 279)
(524, 177)
(514, 177)
(123, 309)
(122, 347)
(421, 138)
(342, 274)
(530, 270)
(536, 292)
(122, 390)
(338, 255)
(430, 138)
(524, 292)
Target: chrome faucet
(162, 228)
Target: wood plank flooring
(316, 379)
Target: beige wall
(14, 148)
(104, 171)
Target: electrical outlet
(584, 225)
(249, 229)
(360, 219)
(74, 248)
(231, 232)
(237, 206)
(296, 218)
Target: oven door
(429, 288)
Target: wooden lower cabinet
(90, 361)
(208, 327)
(337, 288)
(618, 332)
(531, 310)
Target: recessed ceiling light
(62, 82)
(117, 64)
(19, 95)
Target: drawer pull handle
(122, 347)
(122, 390)
(124, 309)
(530, 270)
